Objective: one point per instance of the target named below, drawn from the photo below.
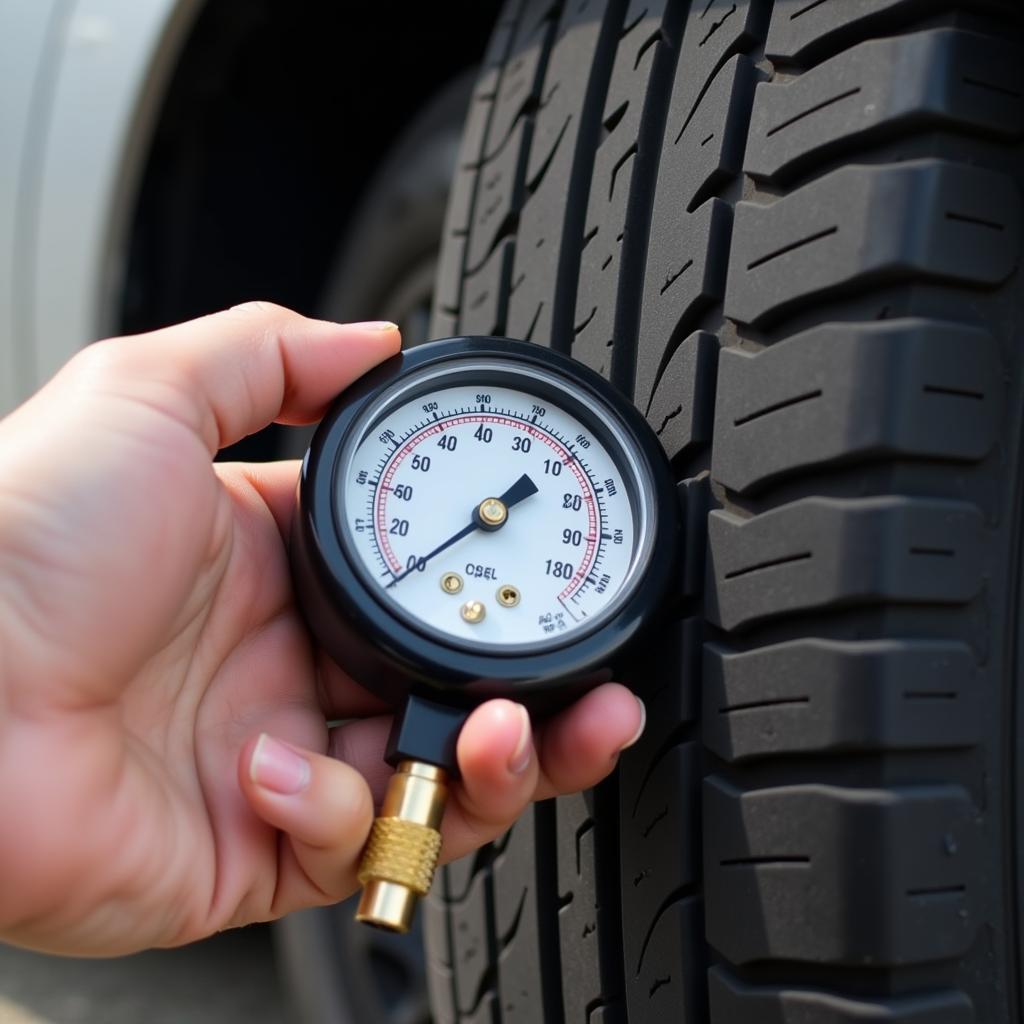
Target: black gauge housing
(391, 656)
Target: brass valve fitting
(401, 854)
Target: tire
(791, 231)
(336, 971)
(388, 261)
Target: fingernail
(639, 729)
(277, 767)
(376, 325)
(521, 756)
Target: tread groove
(747, 862)
(640, 202)
(791, 247)
(772, 563)
(966, 218)
(757, 705)
(777, 407)
(824, 104)
(991, 87)
(805, 10)
(674, 897)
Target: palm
(159, 734)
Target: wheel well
(275, 119)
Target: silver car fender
(81, 84)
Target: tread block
(680, 409)
(486, 1012)
(733, 1002)
(519, 84)
(659, 849)
(666, 985)
(485, 293)
(686, 273)
(470, 957)
(820, 553)
(807, 696)
(708, 149)
(497, 52)
(541, 235)
(661, 773)
(665, 676)
(578, 914)
(801, 30)
(715, 31)
(443, 324)
(447, 289)
(435, 924)
(440, 982)
(471, 151)
(930, 220)
(500, 191)
(842, 392)
(448, 283)
(439, 987)
(460, 199)
(706, 127)
(611, 184)
(829, 875)
(457, 878)
(517, 925)
(938, 80)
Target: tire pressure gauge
(477, 517)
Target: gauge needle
(520, 490)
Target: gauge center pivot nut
(492, 513)
(517, 479)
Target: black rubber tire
(388, 259)
(792, 232)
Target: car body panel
(24, 68)
(82, 81)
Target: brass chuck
(401, 853)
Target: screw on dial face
(476, 483)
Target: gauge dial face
(493, 509)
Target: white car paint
(80, 84)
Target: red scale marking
(439, 428)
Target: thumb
(231, 373)
(325, 808)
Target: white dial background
(416, 477)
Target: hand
(165, 765)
